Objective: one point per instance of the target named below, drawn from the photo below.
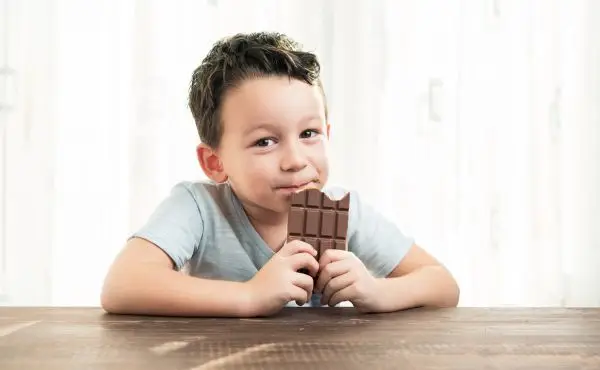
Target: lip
(291, 189)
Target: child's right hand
(279, 282)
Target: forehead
(276, 100)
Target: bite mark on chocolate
(319, 220)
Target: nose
(293, 158)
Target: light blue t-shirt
(203, 226)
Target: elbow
(452, 296)
(111, 300)
(113, 303)
(447, 292)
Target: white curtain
(473, 124)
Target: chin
(280, 204)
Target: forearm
(150, 291)
(430, 286)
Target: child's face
(274, 140)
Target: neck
(270, 225)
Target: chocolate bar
(319, 220)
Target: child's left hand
(343, 277)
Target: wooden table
(303, 338)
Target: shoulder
(200, 188)
(204, 193)
(373, 237)
(179, 222)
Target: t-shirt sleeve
(175, 226)
(374, 239)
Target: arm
(403, 275)
(142, 281)
(418, 280)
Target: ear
(211, 163)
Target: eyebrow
(263, 125)
(266, 125)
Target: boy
(261, 115)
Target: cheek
(319, 155)
(254, 167)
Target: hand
(343, 277)
(279, 280)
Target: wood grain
(301, 338)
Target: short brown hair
(236, 58)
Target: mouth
(295, 188)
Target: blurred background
(473, 124)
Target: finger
(305, 282)
(299, 295)
(301, 303)
(297, 246)
(331, 271)
(332, 255)
(340, 296)
(304, 261)
(335, 285)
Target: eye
(264, 142)
(306, 134)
